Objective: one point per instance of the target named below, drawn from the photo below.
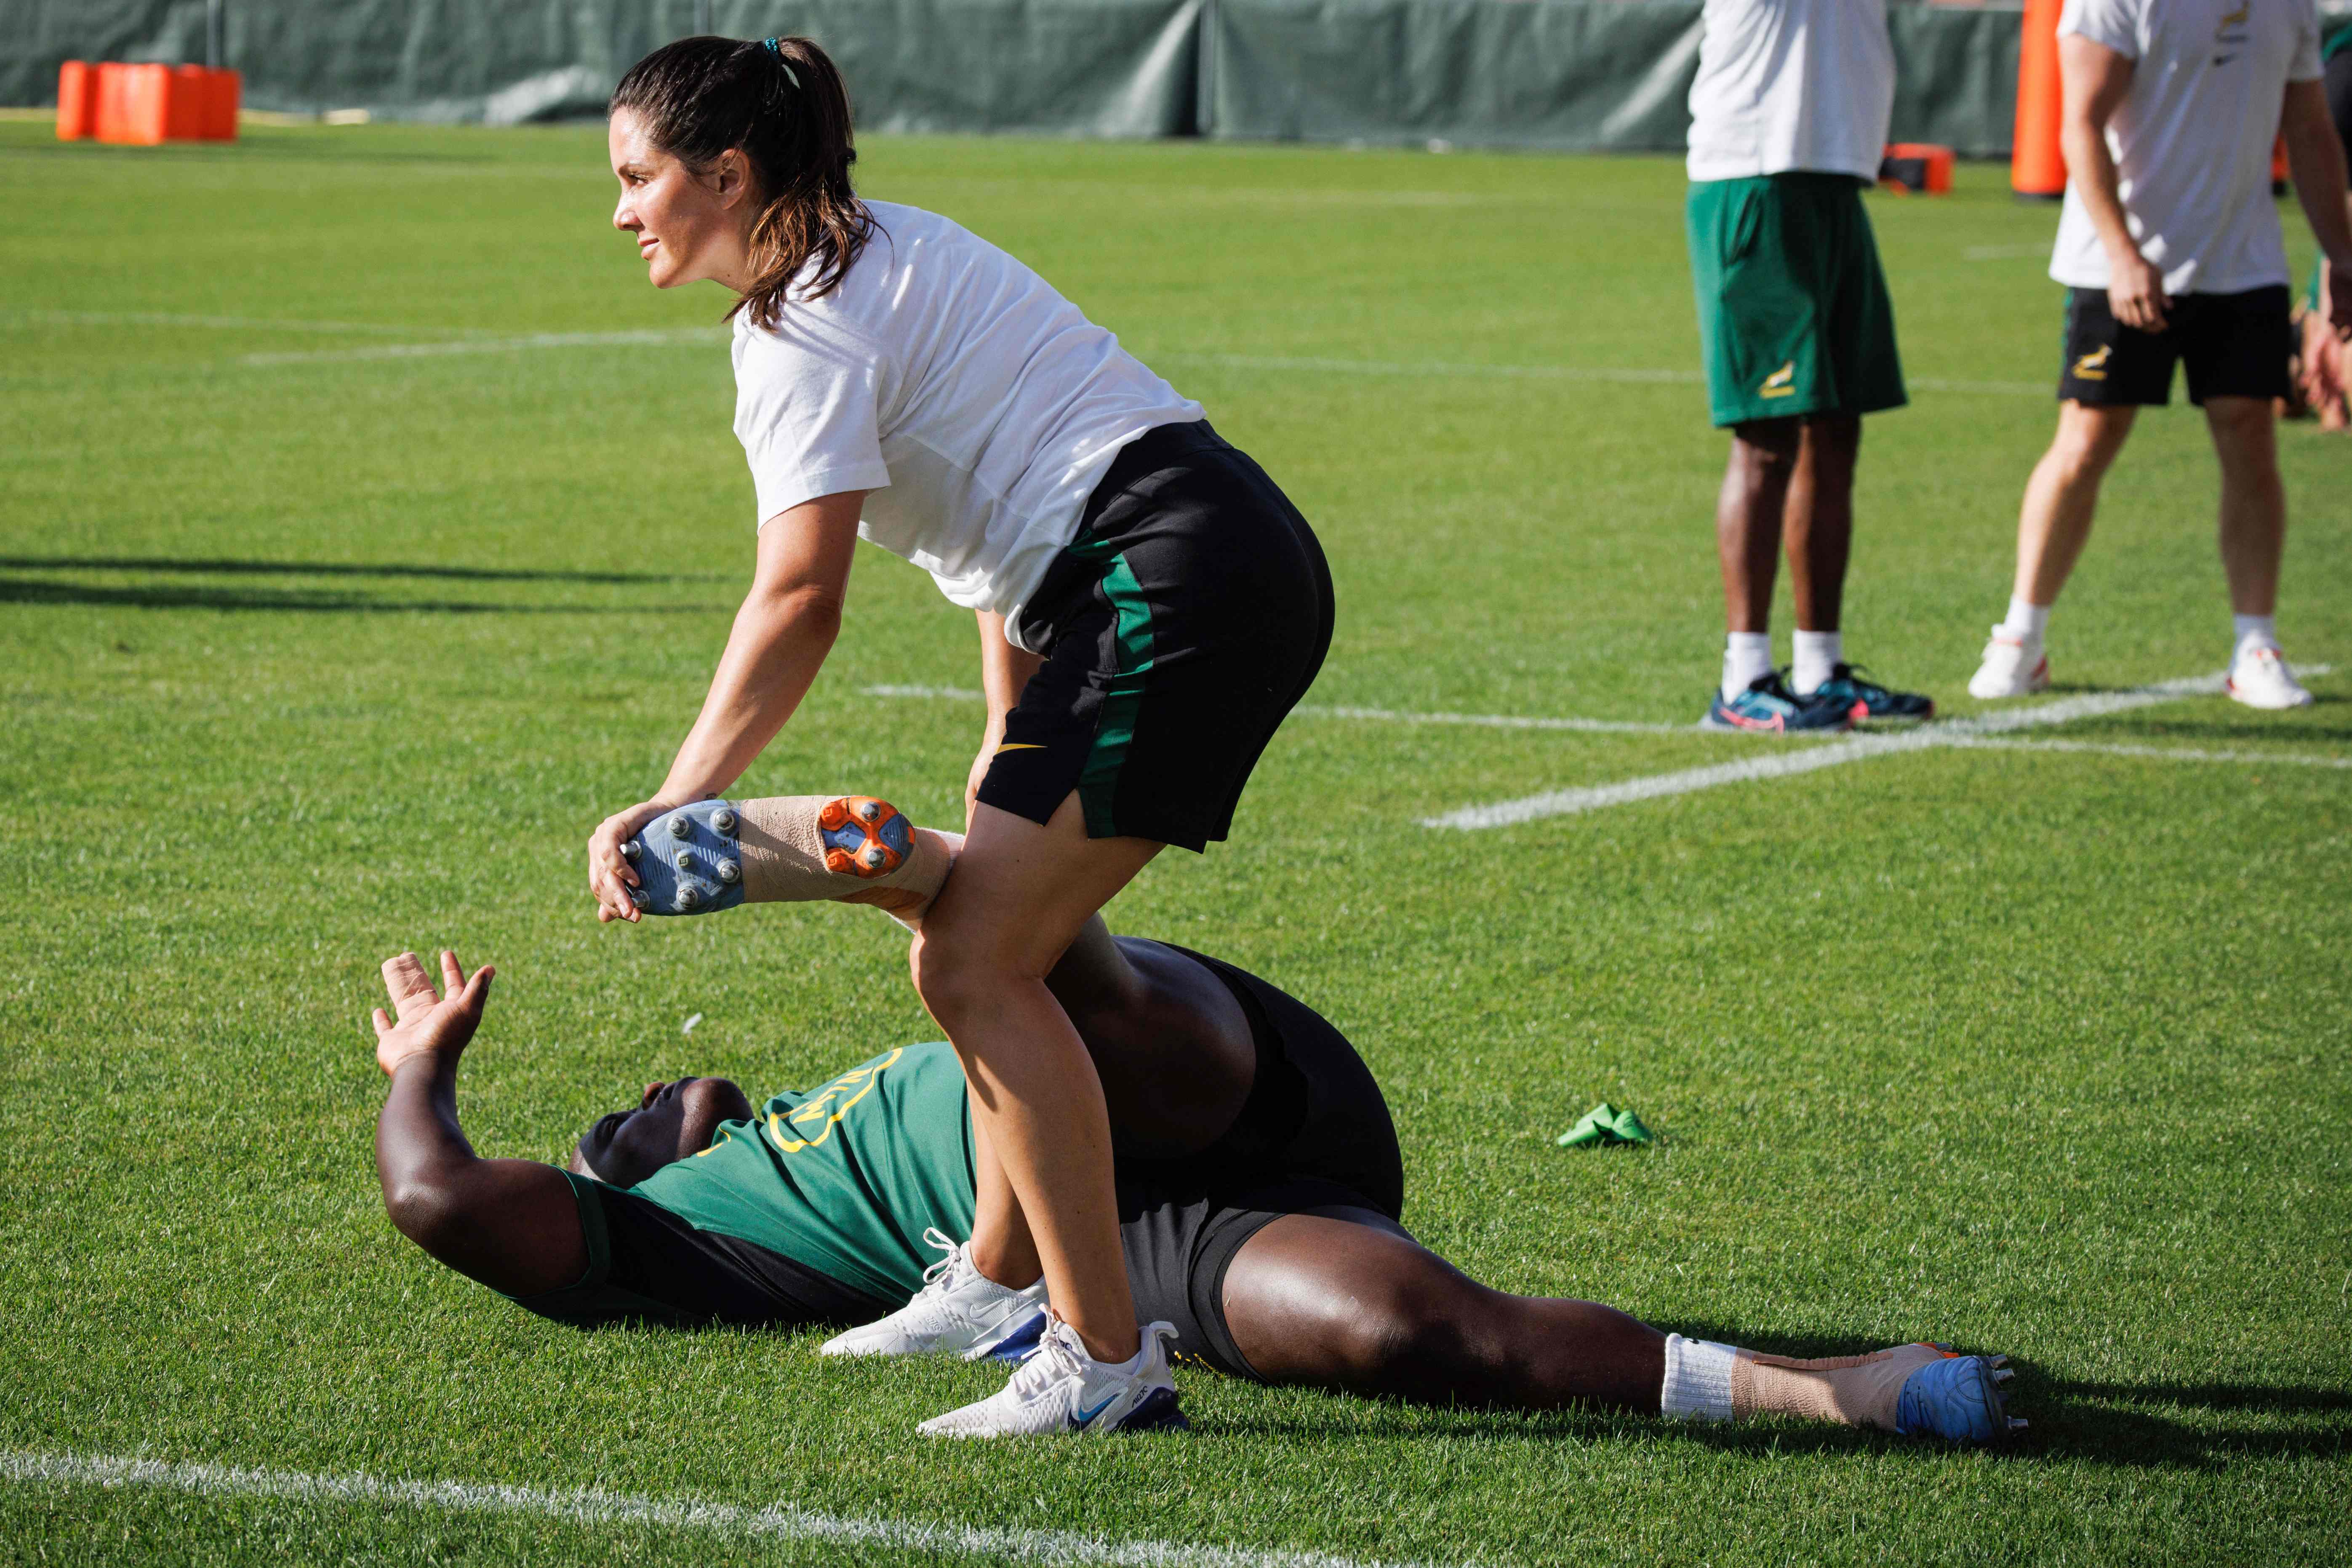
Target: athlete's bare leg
(2253, 501)
(1345, 1299)
(1788, 482)
(1176, 1059)
(2062, 496)
(1020, 895)
(1818, 525)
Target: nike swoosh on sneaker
(1083, 1418)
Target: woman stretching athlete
(1149, 603)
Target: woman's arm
(511, 1223)
(1004, 671)
(780, 637)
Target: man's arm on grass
(2316, 157)
(2096, 78)
(512, 1224)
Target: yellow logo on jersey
(2228, 34)
(823, 1110)
(1782, 382)
(2093, 366)
(1018, 746)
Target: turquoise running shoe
(1769, 708)
(1959, 1399)
(1866, 702)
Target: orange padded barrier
(1915, 167)
(142, 105)
(184, 103)
(217, 122)
(2037, 161)
(77, 100)
(134, 103)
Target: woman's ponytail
(783, 102)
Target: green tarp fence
(1568, 74)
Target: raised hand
(429, 1021)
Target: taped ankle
(716, 853)
(1852, 1390)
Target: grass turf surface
(309, 657)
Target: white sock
(2026, 623)
(1818, 655)
(1747, 656)
(2254, 632)
(1698, 1380)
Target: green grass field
(338, 611)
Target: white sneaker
(2260, 678)
(959, 1312)
(1062, 1391)
(2012, 667)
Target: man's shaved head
(669, 1123)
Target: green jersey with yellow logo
(842, 1179)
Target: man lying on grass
(1259, 1181)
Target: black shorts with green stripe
(1182, 622)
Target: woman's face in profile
(688, 226)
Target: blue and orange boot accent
(1867, 703)
(1769, 708)
(864, 837)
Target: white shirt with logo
(1788, 85)
(2193, 138)
(976, 404)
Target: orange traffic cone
(2037, 160)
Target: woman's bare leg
(1021, 893)
(1003, 1249)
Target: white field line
(222, 324)
(649, 337)
(1376, 715)
(2160, 753)
(1782, 765)
(588, 1506)
(1432, 369)
(1441, 369)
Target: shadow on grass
(2173, 1426)
(226, 567)
(2069, 1422)
(27, 590)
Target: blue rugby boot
(689, 861)
(1867, 703)
(1957, 1398)
(1769, 708)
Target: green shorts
(1792, 307)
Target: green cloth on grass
(1602, 1125)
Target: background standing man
(1788, 121)
(2170, 249)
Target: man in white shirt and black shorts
(2170, 249)
(1788, 120)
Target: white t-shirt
(975, 403)
(1791, 84)
(2193, 138)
